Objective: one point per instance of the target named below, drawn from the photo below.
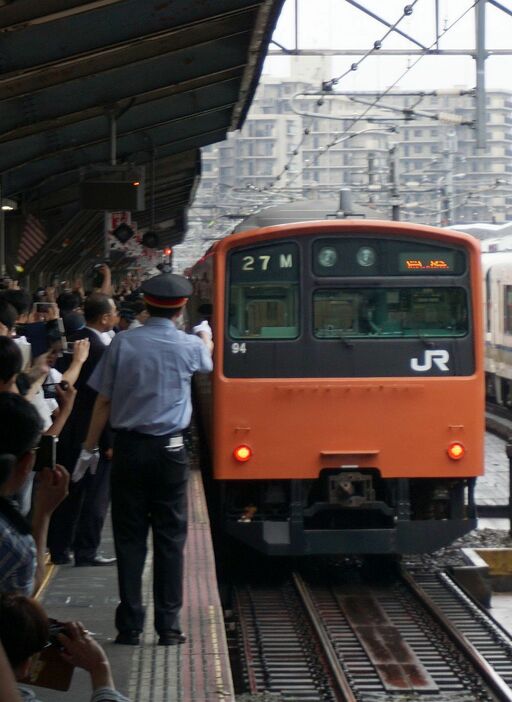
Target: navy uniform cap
(166, 290)
(127, 313)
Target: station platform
(197, 670)
(492, 489)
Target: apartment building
(416, 150)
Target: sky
(335, 24)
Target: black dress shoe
(62, 559)
(96, 561)
(171, 638)
(128, 638)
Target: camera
(49, 391)
(56, 628)
(46, 456)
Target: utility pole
(450, 148)
(371, 175)
(395, 183)
(480, 58)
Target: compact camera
(56, 628)
(49, 389)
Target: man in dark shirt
(78, 522)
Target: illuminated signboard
(431, 262)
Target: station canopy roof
(176, 74)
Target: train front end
(348, 398)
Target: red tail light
(242, 453)
(456, 451)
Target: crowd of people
(94, 399)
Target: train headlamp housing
(366, 256)
(327, 256)
(456, 451)
(242, 453)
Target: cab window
(390, 312)
(263, 299)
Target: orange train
(345, 412)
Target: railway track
(416, 637)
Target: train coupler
(351, 489)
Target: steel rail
(251, 677)
(336, 670)
(495, 682)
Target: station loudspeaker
(113, 188)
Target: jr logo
(439, 358)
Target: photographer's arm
(66, 400)
(81, 650)
(52, 488)
(99, 419)
(80, 355)
(106, 287)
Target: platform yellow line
(50, 570)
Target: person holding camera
(25, 631)
(23, 545)
(102, 279)
(78, 522)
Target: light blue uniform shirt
(145, 372)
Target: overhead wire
(408, 9)
(377, 45)
(375, 102)
(327, 87)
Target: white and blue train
(496, 242)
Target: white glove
(203, 327)
(86, 460)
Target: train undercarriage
(347, 512)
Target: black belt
(140, 435)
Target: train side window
(263, 299)
(488, 292)
(390, 312)
(507, 322)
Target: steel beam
(480, 57)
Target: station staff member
(143, 385)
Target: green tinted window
(390, 312)
(263, 299)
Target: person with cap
(143, 385)
(126, 317)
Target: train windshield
(264, 292)
(391, 312)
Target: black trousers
(149, 489)
(78, 521)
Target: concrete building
(412, 151)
